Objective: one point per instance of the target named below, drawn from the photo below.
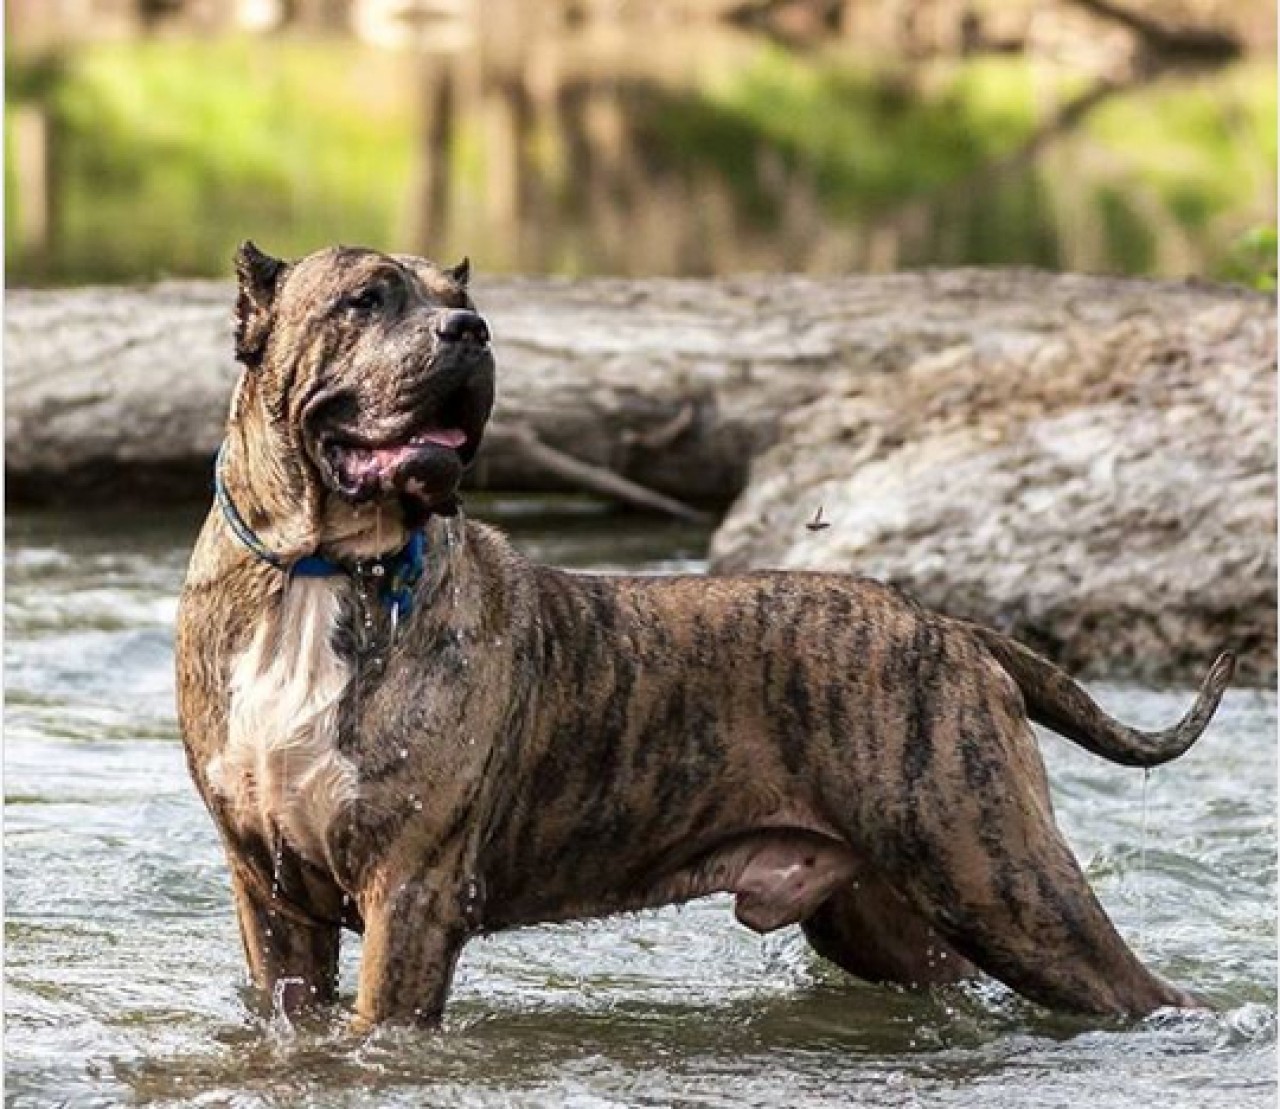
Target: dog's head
(368, 381)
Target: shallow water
(124, 979)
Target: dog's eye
(367, 302)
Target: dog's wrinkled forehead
(325, 281)
(335, 293)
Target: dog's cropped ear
(259, 276)
(461, 273)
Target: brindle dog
(499, 744)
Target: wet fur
(281, 765)
(537, 745)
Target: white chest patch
(281, 764)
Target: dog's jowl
(403, 728)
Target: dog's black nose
(458, 324)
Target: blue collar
(398, 572)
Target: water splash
(1142, 864)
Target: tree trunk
(676, 385)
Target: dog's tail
(1055, 700)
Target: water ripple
(125, 979)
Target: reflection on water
(627, 138)
(124, 974)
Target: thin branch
(594, 479)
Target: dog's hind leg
(868, 930)
(1054, 944)
(997, 879)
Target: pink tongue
(362, 465)
(453, 437)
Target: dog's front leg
(414, 931)
(293, 960)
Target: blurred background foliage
(145, 138)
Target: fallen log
(122, 393)
(672, 385)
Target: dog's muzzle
(423, 465)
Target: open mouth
(364, 470)
(422, 468)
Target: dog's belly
(779, 876)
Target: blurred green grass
(167, 153)
(1191, 156)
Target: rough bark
(122, 392)
(1086, 461)
(674, 384)
(1095, 475)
